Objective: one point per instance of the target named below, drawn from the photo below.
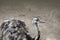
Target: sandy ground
(47, 10)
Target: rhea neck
(36, 28)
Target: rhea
(16, 30)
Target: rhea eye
(13, 27)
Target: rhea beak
(40, 21)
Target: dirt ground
(47, 10)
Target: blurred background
(47, 10)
